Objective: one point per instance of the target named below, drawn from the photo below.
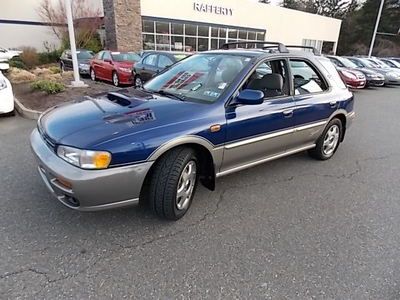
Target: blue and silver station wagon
(209, 115)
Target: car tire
(173, 183)
(138, 82)
(115, 79)
(93, 74)
(329, 141)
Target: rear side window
(150, 60)
(164, 61)
(306, 79)
(331, 73)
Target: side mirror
(250, 97)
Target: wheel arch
(340, 114)
(210, 156)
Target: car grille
(360, 76)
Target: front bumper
(376, 82)
(88, 190)
(359, 84)
(6, 100)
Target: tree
(329, 8)
(87, 20)
(357, 29)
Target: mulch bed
(40, 101)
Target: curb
(26, 112)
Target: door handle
(288, 113)
(333, 104)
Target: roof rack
(314, 50)
(281, 47)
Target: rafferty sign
(212, 9)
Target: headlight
(126, 70)
(3, 84)
(393, 74)
(349, 75)
(85, 159)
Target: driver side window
(270, 77)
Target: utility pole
(378, 18)
(77, 82)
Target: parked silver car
(392, 76)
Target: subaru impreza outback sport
(210, 115)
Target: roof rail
(314, 50)
(281, 47)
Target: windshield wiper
(169, 94)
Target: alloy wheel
(331, 140)
(186, 184)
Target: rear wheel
(115, 78)
(173, 183)
(329, 141)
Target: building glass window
(222, 32)
(176, 28)
(190, 29)
(251, 35)
(162, 27)
(177, 43)
(162, 42)
(214, 44)
(202, 44)
(176, 35)
(148, 26)
(260, 36)
(190, 44)
(242, 34)
(148, 42)
(214, 32)
(232, 34)
(203, 31)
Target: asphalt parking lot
(295, 228)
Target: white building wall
(281, 24)
(284, 25)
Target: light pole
(378, 18)
(77, 82)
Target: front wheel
(173, 183)
(138, 82)
(329, 141)
(92, 74)
(115, 79)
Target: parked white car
(6, 54)
(6, 96)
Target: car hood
(368, 71)
(91, 123)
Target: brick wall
(123, 25)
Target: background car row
(121, 68)
(359, 72)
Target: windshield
(84, 54)
(201, 77)
(179, 57)
(368, 63)
(347, 62)
(125, 56)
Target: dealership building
(184, 25)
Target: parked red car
(352, 78)
(113, 66)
